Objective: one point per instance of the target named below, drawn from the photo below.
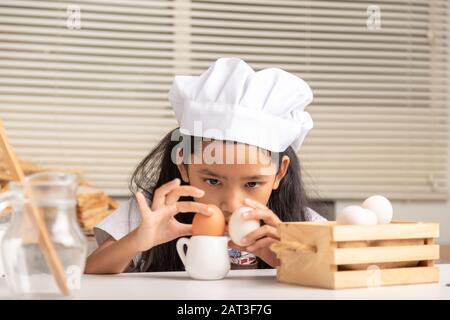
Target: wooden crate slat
(429, 263)
(384, 254)
(308, 231)
(385, 232)
(306, 271)
(387, 277)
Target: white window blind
(95, 98)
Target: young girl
(236, 145)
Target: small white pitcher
(206, 257)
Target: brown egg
(213, 225)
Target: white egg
(238, 227)
(381, 206)
(356, 215)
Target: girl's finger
(254, 204)
(185, 191)
(266, 215)
(142, 203)
(190, 206)
(233, 245)
(159, 197)
(185, 229)
(261, 244)
(264, 231)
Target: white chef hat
(230, 101)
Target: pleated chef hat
(230, 101)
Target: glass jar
(27, 271)
(5, 217)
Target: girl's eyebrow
(210, 173)
(255, 177)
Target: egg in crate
(213, 225)
(381, 206)
(374, 210)
(356, 215)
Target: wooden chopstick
(45, 241)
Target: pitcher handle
(180, 249)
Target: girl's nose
(232, 200)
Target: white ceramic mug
(206, 257)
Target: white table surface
(239, 284)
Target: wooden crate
(326, 255)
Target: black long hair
(288, 201)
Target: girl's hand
(158, 223)
(259, 241)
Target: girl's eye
(212, 182)
(252, 184)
